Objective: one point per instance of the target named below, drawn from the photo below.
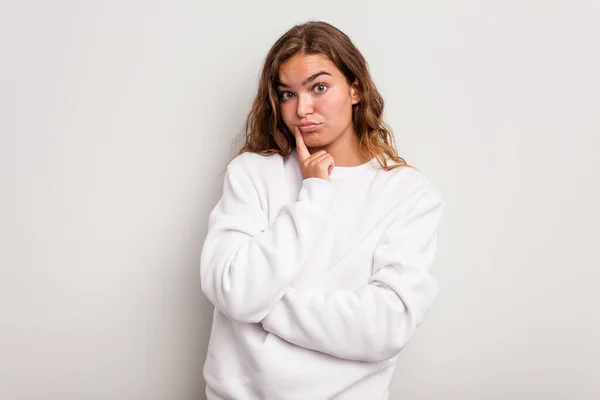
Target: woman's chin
(314, 140)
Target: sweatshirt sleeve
(375, 322)
(246, 262)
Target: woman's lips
(309, 128)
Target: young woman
(318, 253)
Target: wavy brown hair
(265, 132)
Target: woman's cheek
(322, 105)
(286, 111)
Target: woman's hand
(317, 165)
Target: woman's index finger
(303, 152)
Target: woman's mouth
(308, 127)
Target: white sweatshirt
(317, 285)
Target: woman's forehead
(299, 68)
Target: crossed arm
(377, 321)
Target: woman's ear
(354, 92)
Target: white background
(117, 119)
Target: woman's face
(312, 90)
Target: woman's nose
(305, 105)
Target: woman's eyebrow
(307, 80)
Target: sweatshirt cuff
(317, 191)
(278, 313)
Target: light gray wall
(117, 119)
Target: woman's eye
(285, 95)
(320, 88)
